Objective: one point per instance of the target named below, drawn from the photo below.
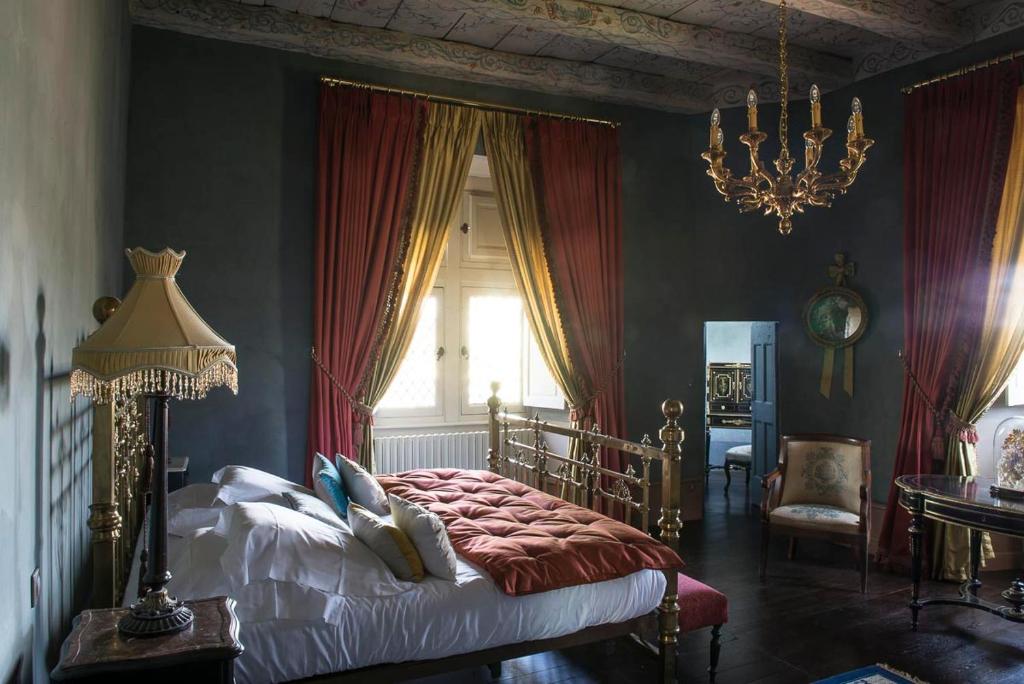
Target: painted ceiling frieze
(676, 55)
(271, 28)
(648, 33)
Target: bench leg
(495, 669)
(748, 478)
(716, 647)
(728, 476)
(792, 548)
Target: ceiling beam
(648, 33)
(270, 27)
(919, 22)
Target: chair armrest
(865, 504)
(771, 484)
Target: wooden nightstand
(177, 473)
(205, 652)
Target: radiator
(465, 450)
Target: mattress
(290, 632)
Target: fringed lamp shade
(154, 343)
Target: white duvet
(308, 609)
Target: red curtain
(366, 150)
(956, 139)
(576, 169)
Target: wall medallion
(835, 318)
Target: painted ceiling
(678, 55)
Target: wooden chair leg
(495, 669)
(864, 561)
(791, 554)
(765, 533)
(728, 476)
(716, 648)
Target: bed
(340, 625)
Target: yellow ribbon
(828, 363)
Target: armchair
(820, 490)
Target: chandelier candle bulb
(716, 132)
(751, 110)
(815, 107)
(858, 118)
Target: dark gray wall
(221, 145)
(63, 121)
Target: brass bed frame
(121, 487)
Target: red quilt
(526, 540)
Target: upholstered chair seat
(820, 490)
(737, 457)
(739, 454)
(816, 517)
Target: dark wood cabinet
(729, 391)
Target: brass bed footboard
(580, 478)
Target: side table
(96, 652)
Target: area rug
(872, 674)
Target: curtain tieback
(946, 421)
(585, 408)
(364, 413)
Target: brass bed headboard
(120, 486)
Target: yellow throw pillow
(391, 544)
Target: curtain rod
(487, 106)
(962, 71)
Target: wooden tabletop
(95, 646)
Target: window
(472, 330)
(416, 388)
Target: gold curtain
(999, 350)
(450, 135)
(520, 221)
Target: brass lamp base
(156, 614)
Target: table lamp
(154, 345)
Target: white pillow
(361, 486)
(428, 534)
(390, 543)
(314, 507)
(268, 542)
(193, 507)
(200, 505)
(253, 480)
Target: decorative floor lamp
(154, 345)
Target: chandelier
(779, 193)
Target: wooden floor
(808, 622)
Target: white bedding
(291, 631)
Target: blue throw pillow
(328, 485)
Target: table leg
(916, 531)
(1015, 594)
(975, 560)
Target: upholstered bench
(737, 457)
(702, 606)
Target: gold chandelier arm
(821, 190)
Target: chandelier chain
(783, 84)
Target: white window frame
(462, 272)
